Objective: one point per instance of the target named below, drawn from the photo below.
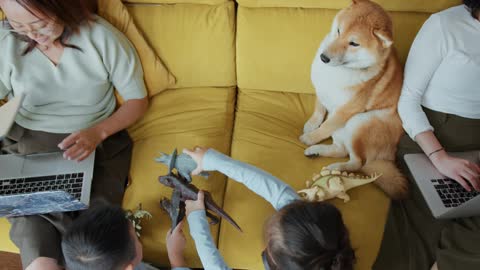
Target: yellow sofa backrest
(195, 38)
(391, 5)
(264, 44)
(277, 39)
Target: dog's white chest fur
(333, 84)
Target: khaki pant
(40, 236)
(413, 238)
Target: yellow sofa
(243, 87)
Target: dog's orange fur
(375, 140)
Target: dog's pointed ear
(384, 37)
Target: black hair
(99, 239)
(473, 6)
(309, 236)
(72, 14)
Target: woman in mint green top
(67, 61)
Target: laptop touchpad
(46, 163)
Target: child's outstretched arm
(200, 232)
(264, 184)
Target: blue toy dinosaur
(184, 164)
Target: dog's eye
(338, 31)
(353, 44)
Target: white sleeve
(207, 251)
(272, 189)
(426, 54)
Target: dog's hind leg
(326, 150)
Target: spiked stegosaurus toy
(333, 184)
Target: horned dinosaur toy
(184, 164)
(333, 184)
(183, 190)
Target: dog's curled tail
(392, 181)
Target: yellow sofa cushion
(157, 77)
(266, 134)
(5, 243)
(181, 118)
(276, 46)
(197, 42)
(392, 5)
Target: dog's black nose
(324, 58)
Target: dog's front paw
(307, 139)
(311, 151)
(309, 127)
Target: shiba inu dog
(358, 79)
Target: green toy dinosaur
(333, 184)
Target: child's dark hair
(309, 236)
(473, 6)
(99, 239)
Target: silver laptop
(43, 182)
(445, 197)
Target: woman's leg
(413, 238)
(458, 246)
(40, 236)
(411, 230)
(36, 238)
(112, 166)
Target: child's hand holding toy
(199, 204)
(176, 243)
(197, 154)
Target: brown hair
(72, 14)
(473, 6)
(309, 236)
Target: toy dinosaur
(333, 184)
(183, 190)
(184, 164)
(136, 217)
(175, 208)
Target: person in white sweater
(442, 74)
(440, 110)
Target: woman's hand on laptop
(460, 170)
(79, 145)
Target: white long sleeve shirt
(442, 72)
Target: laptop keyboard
(452, 193)
(71, 183)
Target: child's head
(306, 235)
(102, 238)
